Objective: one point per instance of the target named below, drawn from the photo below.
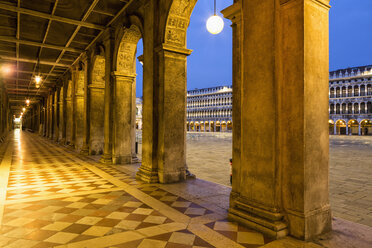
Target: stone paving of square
(208, 157)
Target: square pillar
(109, 44)
(171, 105)
(123, 118)
(56, 115)
(79, 109)
(281, 185)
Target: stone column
(171, 105)
(335, 129)
(123, 106)
(283, 177)
(359, 129)
(347, 128)
(56, 115)
(79, 109)
(50, 115)
(107, 149)
(86, 106)
(97, 104)
(62, 115)
(148, 171)
(68, 100)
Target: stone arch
(331, 125)
(177, 22)
(366, 127)
(125, 60)
(353, 127)
(341, 126)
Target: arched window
(338, 92)
(369, 107)
(344, 108)
(362, 108)
(349, 108)
(344, 91)
(332, 109)
(356, 90)
(338, 108)
(356, 108)
(332, 93)
(350, 91)
(369, 89)
(363, 90)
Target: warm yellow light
(215, 24)
(28, 102)
(23, 109)
(6, 69)
(37, 80)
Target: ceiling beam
(38, 44)
(72, 37)
(50, 17)
(128, 2)
(32, 61)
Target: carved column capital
(233, 12)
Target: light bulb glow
(215, 24)
(28, 102)
(6, 69)
(37, 80)
(23, 109)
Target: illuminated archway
(331, 125)
(366, 127)
(340, 127)
(353, 127)
(229, 126)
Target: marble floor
(52, 197)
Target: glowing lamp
(38, 79)
(215, 24)
(23, 109)
(6, 69)
(28, 102)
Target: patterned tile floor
(52, 197)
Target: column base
(84, 150)
(122, 160)
(306, 226)
(62, 141)
(147, 176)
(106, 159)
(269, 223)
(172, 177)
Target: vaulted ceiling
(48, 37)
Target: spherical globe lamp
(215, 24)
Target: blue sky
(210, 63)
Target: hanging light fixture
(38, 76)
(215, 23)
(23, 109)
(28, 102)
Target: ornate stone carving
(178, 21)
(127, 50)
(98, 71)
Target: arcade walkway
(52, 197)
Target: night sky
(210, 63)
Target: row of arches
(350, 127)
(209, 102)
(351, 108)
(350, 91)
(210, 113)
(209, 126)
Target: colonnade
(280, 163)
(351, 91)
